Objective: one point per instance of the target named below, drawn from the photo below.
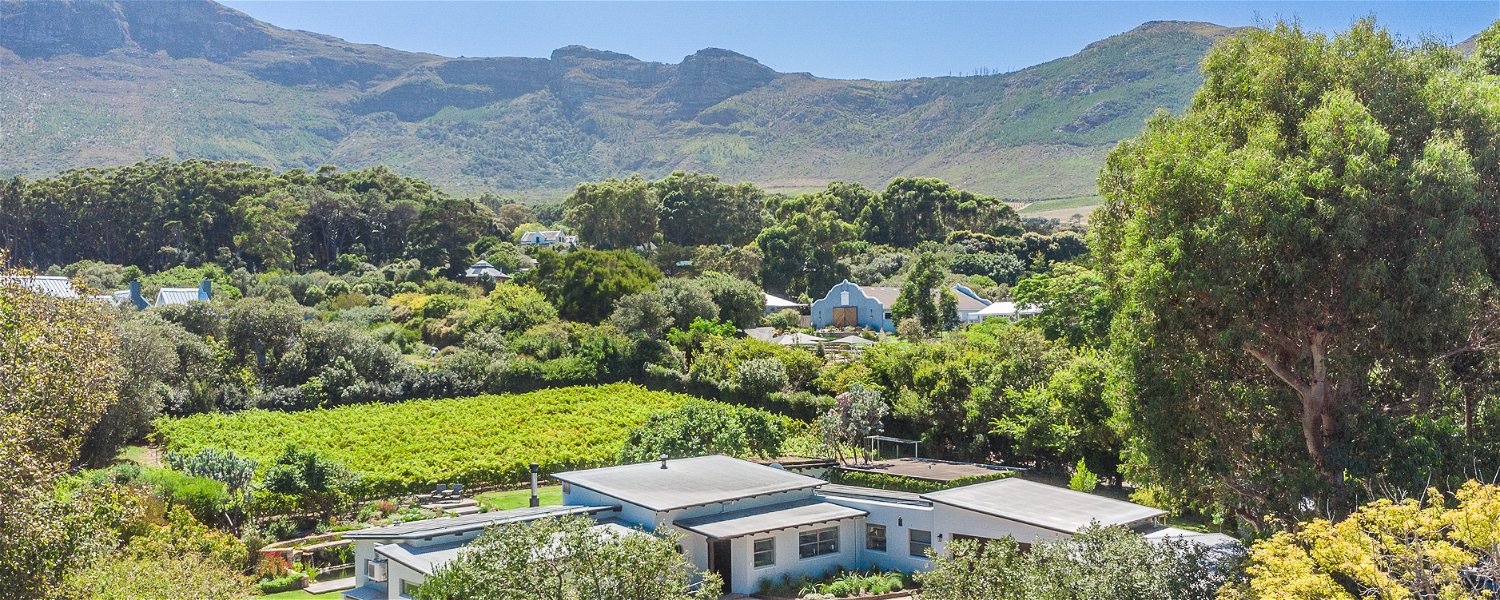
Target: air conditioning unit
(376, 570)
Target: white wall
(898, 520)
(788, 560)
(949, 520)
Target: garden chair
(440, 492)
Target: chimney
(663, 461)
(535, 499)
(135, 296)
(205, 290)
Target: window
(875, 537)
(406, 588)
(818, 543)
(920, 542)
(844, 298)
(765, 552)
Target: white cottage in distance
(750, 523)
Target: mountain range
(87, 83)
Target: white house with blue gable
(849, 305)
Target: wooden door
(846, 316)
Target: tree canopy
(1298, 257)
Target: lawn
(303, 595)
(550, 495)
(408, 446)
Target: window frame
(825, 542)
(884, 537)
(756, 551)
(912, 543)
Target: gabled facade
(849, 305)
(546, 239)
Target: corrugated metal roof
(484, 269)
(762, 519)
(687, 482)
(446, 525)
(176, 296)
(51, 285)
(1042, 505)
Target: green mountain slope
(103, 83)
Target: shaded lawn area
(550, 495)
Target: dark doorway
(719, 562)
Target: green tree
(855, 414)
(267, 227)
(697, 210)
(923, 297)
(1075, 301)
(799, 250)
(579, 562)
(613, 214)
(1099, 563)
(319, 484)
(699, 428)
(585, 284)
(511, 309)
(1385, 549)
(59, 363)
(1292, 256)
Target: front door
(846, 316)
(719, 562)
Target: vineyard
(407, 446)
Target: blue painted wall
(871, 312)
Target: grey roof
(484, 269)
(1008, 309)
(687, 482)
(167, 296)
(764, 334)
(422, 559)
(446, 525)
(776, 302)
(51, 285)
(853, 340)
(865, 493)
(762, 519)
(1042, 505)
(966, 302)
(886, 296)
(798, 338)
(1210, 540)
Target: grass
(550, 495)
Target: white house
(1008, 310)
(484, 270)
(389, 561)
(547, 239)
(750, 522)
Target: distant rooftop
(445, 525)
(687, 482)
(1042, 505)
(51, 285)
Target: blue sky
(873, 40)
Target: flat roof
(928, 469)
(1042, 505)
(427, 528)
(687, 482)
(762, 519)
(866, 493)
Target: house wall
(898, 520)
(948, 520)
(364, 551)
(399, 573)
(789, 563)
(871, 313)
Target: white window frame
(756, 551)
(822, 545)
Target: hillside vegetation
(407, 445)
(113, 83)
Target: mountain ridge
(127, 81)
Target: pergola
(873, 440)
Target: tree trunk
(1318, 395)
